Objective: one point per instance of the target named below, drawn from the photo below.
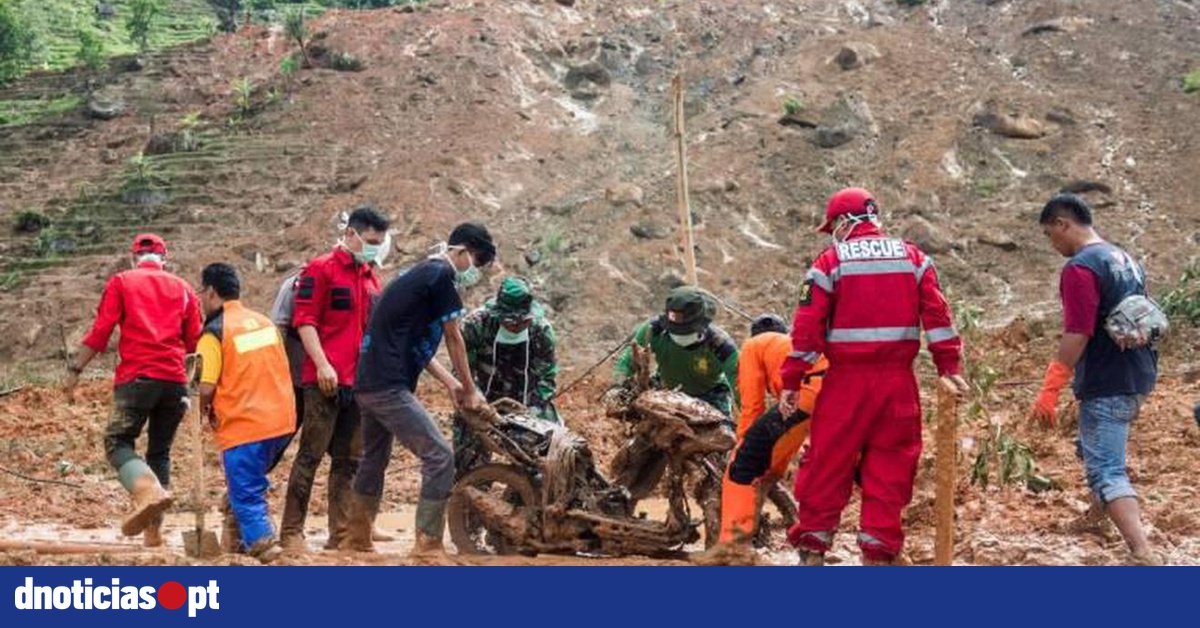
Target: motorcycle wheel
(467, 528)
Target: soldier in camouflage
(510, 348)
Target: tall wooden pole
(681, 188)
(944, 463)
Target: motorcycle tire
(467, 529)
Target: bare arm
(458, 358)
(442, 375)
(1070, 348)
(326, 375)
(206, 398)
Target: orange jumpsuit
(760, 361)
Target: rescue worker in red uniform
(863, 305)
(160, 320)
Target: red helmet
(148, 243)
(845, 202)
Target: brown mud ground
(43, 436)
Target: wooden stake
(57, 547)
(681, 187)
(944, 463)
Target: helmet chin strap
(850, 222)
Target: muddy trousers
(395, 414)
(874, 411)
(330, 428)
(155, 405)
(246, 468)
(742, 503)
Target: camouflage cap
(689, 309)
(514, 300)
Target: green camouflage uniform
(706, 370)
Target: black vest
(1105, 370)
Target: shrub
(792, 105)
(142, 14)
(1191, 82)
(91, 49)
(17, 42)
(345, 62)
(31, 221)
(297, 30)
(1182, 303)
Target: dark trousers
(330, 427)
(299, 393)
(136, 404)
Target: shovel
(199, 542)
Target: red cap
(148, 243)
(847, 201)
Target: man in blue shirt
(416, 310)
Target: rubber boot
(294, 543)
(265, 550)
(152, 535)
(431, 522)
(149, 501)
(231, 533)
(811, 559)
(360, 524)
(340, 497)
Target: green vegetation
(30, 221)
(91, 49)
(11, 280)
(297, 30)
(243, 93)
(986, 187)
(1182, 303)
(288, 66)
(140, 22)
(44, 34)
(346, 62)
(1010, 460)
(792, 105)
(19, 112)
(554, 241)
(1191, 82)
(910, 3)
(16, 42)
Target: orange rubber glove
(1045, 409)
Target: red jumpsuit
(863, 305)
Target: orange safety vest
(253, 400)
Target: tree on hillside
(142, 14)
(16, 42)
(227, 13)
(297, 31)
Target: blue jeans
(1103, 432)
(246, 468)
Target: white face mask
(844, 226)
(687, 340)
(505, 337)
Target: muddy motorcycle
(534, 486)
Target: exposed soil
(550, 124)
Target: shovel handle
(194, 363)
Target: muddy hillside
(550, 121)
